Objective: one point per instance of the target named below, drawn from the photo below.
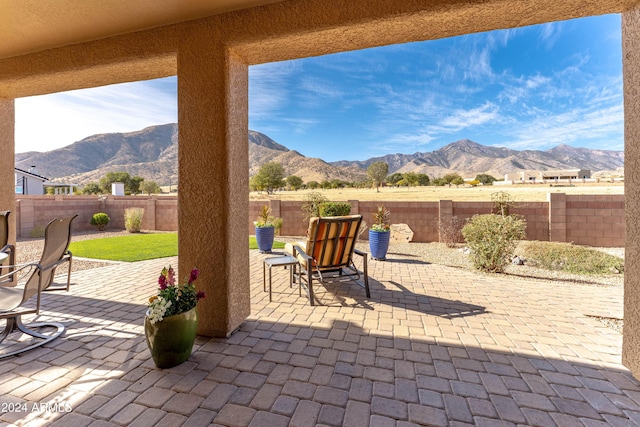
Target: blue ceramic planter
(264, 237)
(379, 244)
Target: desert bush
(570, 258)
(335, 208)
(311, 204)
(502, 202)
(450, 231)
(492, 239)
(133, 219)
(100, 220)
(37, 231)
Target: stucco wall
(631, 81)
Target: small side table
(279, 261)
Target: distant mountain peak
(152, 153)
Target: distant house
(551, 175)
(29, 182)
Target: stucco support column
(7, 160)
(631, 80)
(213, 196)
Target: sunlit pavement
(432, 346)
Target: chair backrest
(57, 236)
(4, 228)
(331, 240)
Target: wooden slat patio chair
(15, 301)
(328, 252)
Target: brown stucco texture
(631, 76)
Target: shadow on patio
(433, 346)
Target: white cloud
(269, 92)
(462, 119)
(578, 125)
(550, 33)
(48, 122)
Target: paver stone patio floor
(433, 345)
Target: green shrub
(493, 239)
(100, 220)
(570, 258)
(335, 208)
(133, 219)
(311, 204)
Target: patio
(433, 345)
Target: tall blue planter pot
(264, 237)
(379, 244)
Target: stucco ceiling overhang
(28, 26)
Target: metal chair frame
(332, 255)
(13, 299)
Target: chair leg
(15, 323)
(310, 282)
(366, 276)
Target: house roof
(24, 172)
(32, 26)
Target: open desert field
(520, 193)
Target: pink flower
(171, 276)
(200, 295)
(194, 275)
(162, 281)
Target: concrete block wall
(594, 220)
(161, 213)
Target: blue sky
(527, 88)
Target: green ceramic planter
(170, 341)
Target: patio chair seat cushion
(288, 248)
(10, 298)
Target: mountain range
(152, 153)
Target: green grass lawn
(132, 247)
(254, 245)
(137, 247)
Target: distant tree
(134, 184)
(448, 178)
(439, 182)
(457, 181)
(150, 187)
(338, 183)
(485, 179)
(410, 179)
(270, 177)
(91, 188)
(394, 178)
(131, 184)
(254, 185)
(313, 185)
(326, 184)
(377, 172)
(423, 179)
(294, 182)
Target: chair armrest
(298, 250)
(361, 253)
